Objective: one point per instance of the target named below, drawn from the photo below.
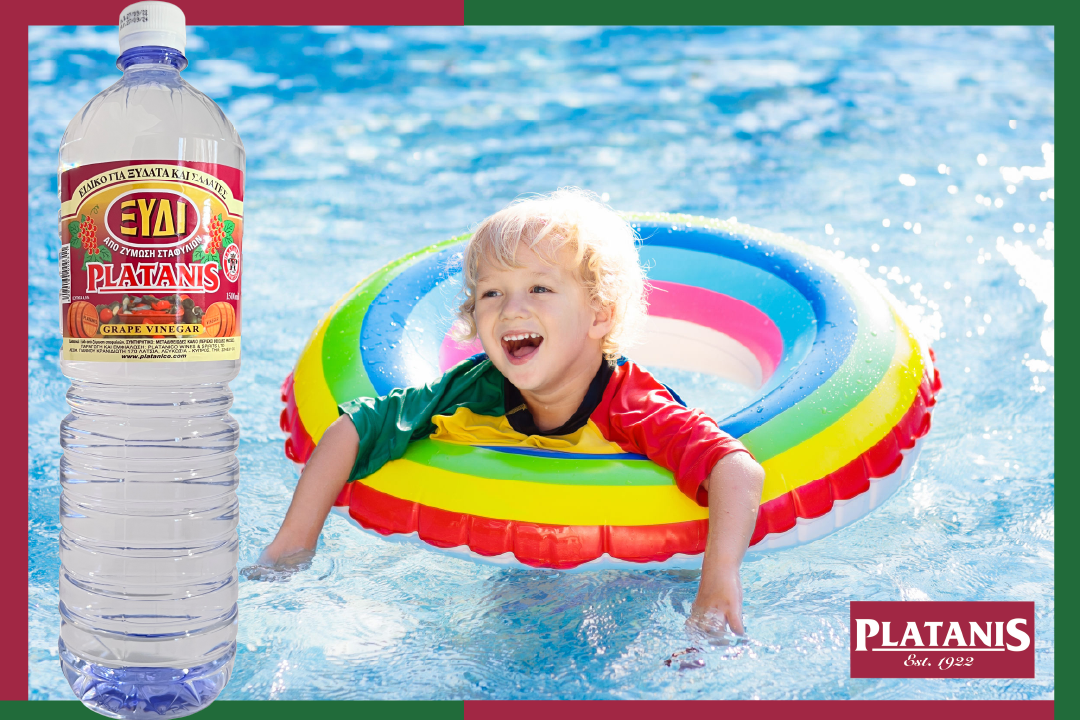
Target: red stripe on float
(385, 514)
(442, 528)
(490, 537)
(533, 544)
(299, 445)
(813, 499)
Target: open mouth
(519, 347)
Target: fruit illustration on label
(84, 234)
(87, 234)
(217, 234)
(221, 237)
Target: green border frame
(264, 710)
(777, 12)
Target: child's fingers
(734, 621)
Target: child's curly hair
(602, 244)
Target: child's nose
(516, 306)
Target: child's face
(536, 323)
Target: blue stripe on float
(425, 328)
(834, 311)
(537, 452)
(381, 336)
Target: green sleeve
(386, 425)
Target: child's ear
(603, 320)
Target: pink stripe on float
(451, 352)
(741, 321)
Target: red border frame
(761, 709)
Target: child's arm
(322, 480)
(711, 467)
(370, 433)
(734, 488)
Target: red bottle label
(150, 261)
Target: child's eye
(489, 293)
(540, 289)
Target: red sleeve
(639, 415)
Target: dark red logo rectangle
(942, 639)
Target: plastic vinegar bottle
(151, 184)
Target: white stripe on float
(684, 345)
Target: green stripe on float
(571, 470)
(865, 366)
(343, 365)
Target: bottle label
(150, 261)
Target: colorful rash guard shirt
(625, 410)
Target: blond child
(554, 290)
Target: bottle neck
(156, 56)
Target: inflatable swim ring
(845, 392)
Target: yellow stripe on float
(314, 401)
(858, 430)
(535, 502)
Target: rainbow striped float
(845, 392)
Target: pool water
(928, 152)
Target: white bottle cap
(152, 23)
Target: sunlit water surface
(928, 152)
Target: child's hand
(273, 565)
(326, 473)
(718, 605)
